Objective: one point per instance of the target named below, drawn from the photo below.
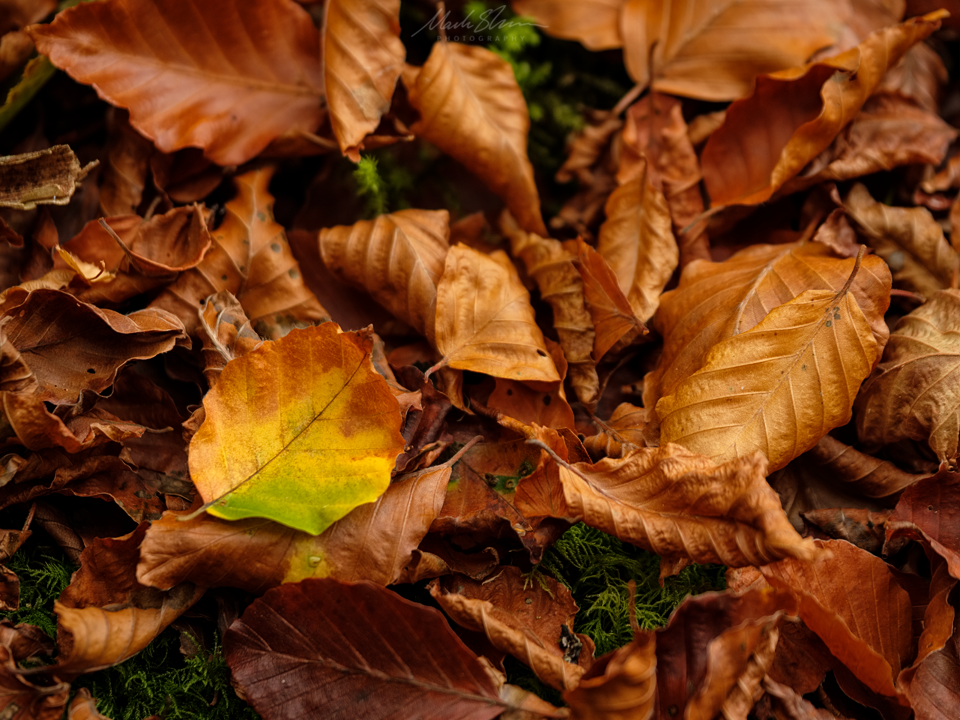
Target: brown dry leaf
(909, 239)
(485, 322)
(915, 392)
(201, 77)
(714, 52)
(655, 129)
(621, 685)
(869, 632)
(523, 618)
(594, 23)
(124, 173)
(225, 332)
(780, 386)
(615, 325)
(551, 265)
(713, 653)
(105, 616)
(362, 59)
(920, 76)
(680, 505)
(536, 402)
(45, 177)
(251, 258)
(472, 109)
(637, 241)
(716, 301)
(930, 511)
(622, 433)
(44, 328)
(889, 131)
(373, 542)
(28, 697)
(84, 707)
(587, 148)
(397, 258)
(800, 111)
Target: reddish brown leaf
(930, 511)
(536, 402)
(620, 685)
(251, 258)
(525, 618)
(200, 76)
(29, 699)
(362, 59)
(358, 649)
(869, 632)
(620, 434)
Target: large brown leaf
(780, 386)
(359, 650)
(715, 49)
(72, 346)
(471, 108)
(915, 392)
(105, 616)
(196, 73)
(930, 511)
(716, 301)
(362, 59)
(800, 112)
(680, 505)
(397, 258)
(909, 239)
(526, 619)
(869, 632)
(621, 685)
(251, 258)
(637, 241)
(485, 322)
(373, 542)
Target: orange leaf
(800, 111)
(196, 73)
(620, 685)
(592, 22)
(485, 322)
(252, 259)
(362, 59)
(472, 108)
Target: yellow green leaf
(300, 431)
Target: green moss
(597, 567)
(44, 572)
(382, 182)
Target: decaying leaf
(40, 178)
(928, 511)
(780, 386)
(915, 393)
(800, 111)
(327, 432)
(620, 685)
(251, 258)
(193, 73)
(358, 649)
(225, 332)
(362, 59)
(485, 322)
(471, 108)
(397, 258)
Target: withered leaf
(595, 23)
(472, 108)
(485, 322)
(199, 77)
(524, 618)
(225, 332)
(801, 111)
(251, 258)
(358, 649)
(928, 511)
(38, 178)
(621, 685)
(397, 258)
(681, 505)
(23, 699)
(362, 59)
(915, 393)
(870, 632)
(780, 386)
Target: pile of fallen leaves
(362, 437)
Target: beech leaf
(45, 177)
(350, 648)
(780, 386)
(485, 322)
(300, 430)
(194, 73)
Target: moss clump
(597, 567)
(44, 572)
(381, 182)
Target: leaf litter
(321, 395)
